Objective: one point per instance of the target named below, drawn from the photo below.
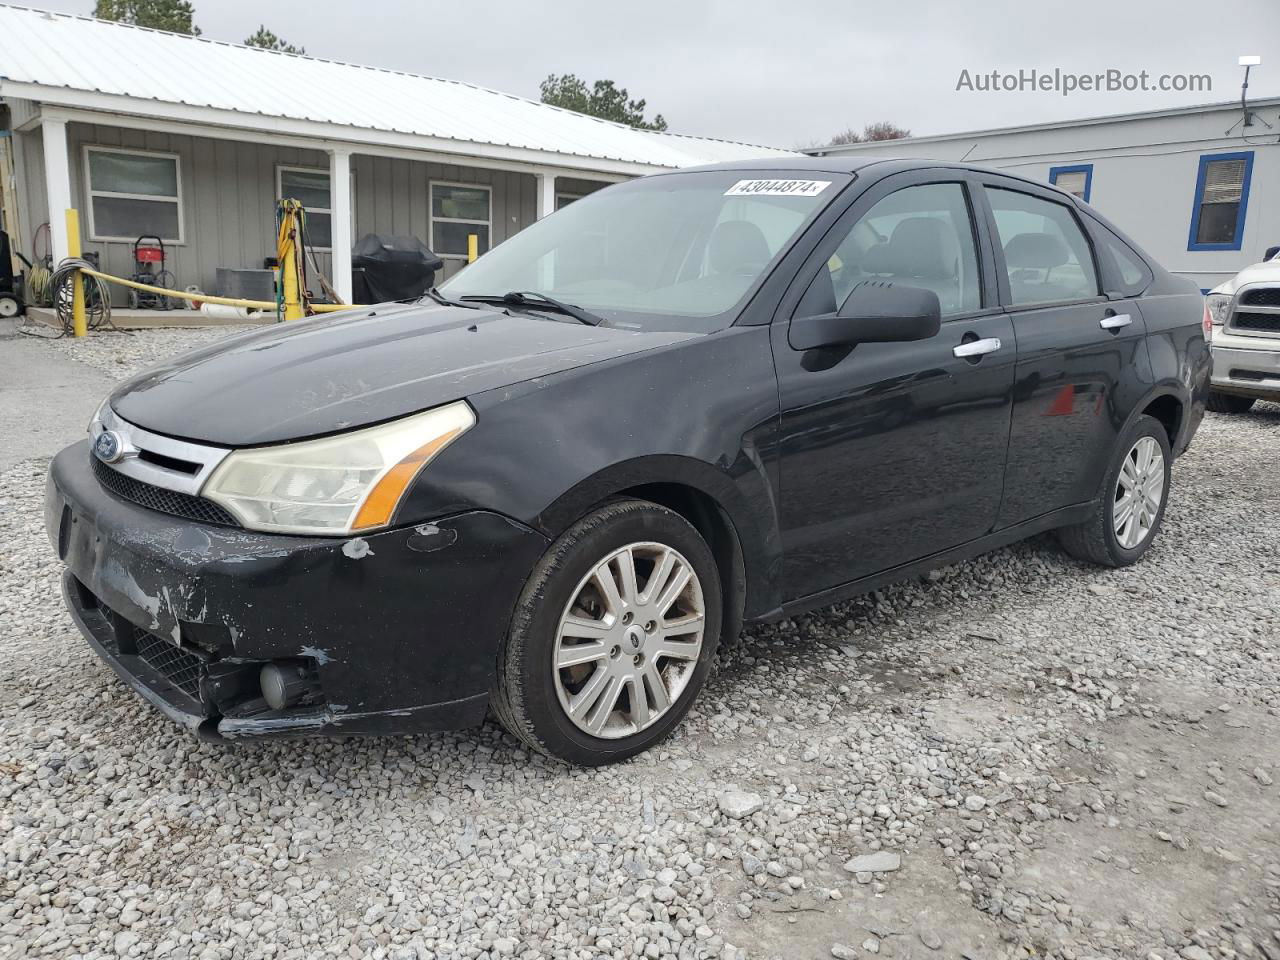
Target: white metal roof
(874, 146)
(80, 62)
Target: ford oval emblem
(108, 448)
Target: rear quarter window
(1128, 274)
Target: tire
(1097, 539)
(1229, 402)
(10, 306)
(532, 697)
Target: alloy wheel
(1139, 492)
(629, 640)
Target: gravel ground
(1018, 756)
(121, 353)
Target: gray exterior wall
(229, 194)
(1144, 174)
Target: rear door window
(1046, 254)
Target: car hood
(357, 368)
(1267, 271)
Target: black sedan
(686, 403)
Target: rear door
(1076, 349)
(894, 451)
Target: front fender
(702, 413)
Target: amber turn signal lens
(381, 503)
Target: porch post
(546, 194)
(340, 219)
(57, 183)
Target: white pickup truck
(1243, 316)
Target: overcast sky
(793, 72)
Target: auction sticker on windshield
(777, 188)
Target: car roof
(849, 165)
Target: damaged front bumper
(395, 632)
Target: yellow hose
(205, 298)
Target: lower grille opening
(1256, 375)
(176, 665)
(161, 500)
(204, 676)
(1270, 322)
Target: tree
(176, 16)
(604, 100)
(883, 130)
(267, 40)
(871, 133)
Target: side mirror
(873, 313)
(1271, 253)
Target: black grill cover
(392, 268)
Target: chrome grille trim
(1239, 322)
(135, 440)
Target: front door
(894, 451)
(1074, 347)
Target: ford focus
(554, 487)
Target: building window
(133, 194)
(564, 199)
(1222, 195)
(310, 187)
(1076, 180)
(458, 210)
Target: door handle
(977, 348)
(1116, 322)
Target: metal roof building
(1198, 186)
(153, 132)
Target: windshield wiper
(531, 298)
(444, 301)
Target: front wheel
(1128, 514)
(613, 636)
(1229, 402)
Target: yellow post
(289, 266)
(80, 323)
(473, 247)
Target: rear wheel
(1134, 493)
(1229, 402)
(613, 636)
(9, 306)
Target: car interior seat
(737, 247)
(919, 253)
(1031, 259)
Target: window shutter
(1223, 181)
(1073, 183)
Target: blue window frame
(1084, 168)
(1221, 200)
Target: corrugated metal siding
(29, 174)
(391, 196)
(77, 53)
(228, 192)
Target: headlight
(96, 420)
(336, 485)
(1219, 307)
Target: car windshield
(669, 252)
